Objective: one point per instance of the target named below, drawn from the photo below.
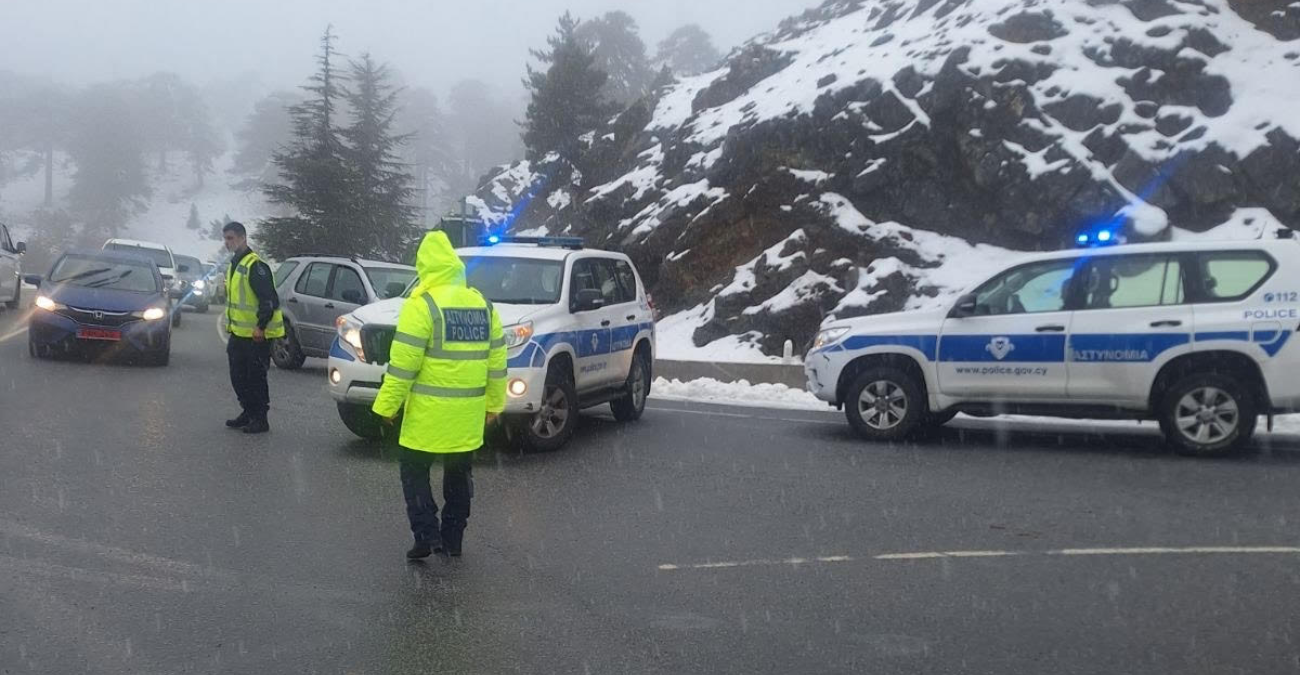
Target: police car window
(315, 281)
(284, 271)
(1232, 275)
(346, 279)
(1028, 289)
(626, 281)
(597, 274)
(1132, 281)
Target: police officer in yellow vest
(253, 319)
(447, 366)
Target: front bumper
(358, 382)
(821, 382)
(59, 332)
(196, 298)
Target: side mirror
(20, 248)
(182, 268)
(588, 299)
(353, 296)
(964, 307)
(33, 280)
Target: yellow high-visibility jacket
(448, 359)
(241, 302)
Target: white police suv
(578, 323)
(1195, 335)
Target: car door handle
(1167, 323)
(293, 301)
(1051, 328)
(631, 317)
(604, 324)
(329, 305)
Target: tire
(904, 406)
(362, 422)
(1207, 415)
(632, 405)
(177, 312)
(550, 428)
(285, 352)
(162, 357)
(18, 297)
(37, 351)
(202, 309)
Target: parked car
(194, 286)
(214, 273)
(162, 257)
(113, 302)
(1193, 335)
(315, 290)
(579, 327)
(11, 269)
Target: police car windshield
(515, 281)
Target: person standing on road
(447, 367)
(253, 319)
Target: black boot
(239, 422)
(451, 541)
(257, 426)
(424, 549)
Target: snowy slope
(880, 155)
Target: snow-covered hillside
(877, 155)
(167, 210)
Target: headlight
(200, 284)
(47, 304)
(829, 337)
(349, 330)
(518, 334)
(153, 313)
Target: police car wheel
(630, 407)
(550, 428)
(1207, 414)
(884, 404)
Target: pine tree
(107, 146)
(315, 179)
(215, 227)
(194, 222)
(439, 170)
(614, 40)
(566, 97)
(688, 51)
(266, 129)
(382, 192)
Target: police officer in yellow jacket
(447, 366)
(253, 320)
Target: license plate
(99, 334)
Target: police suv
(1194, 335)
(579, 326)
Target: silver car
(315, 290)
(11, 284)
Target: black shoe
(424, 549)
(451, 543)
(257, 427)
(239, 422)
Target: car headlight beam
(518, 334)
(45, 303)
(200, 284)
(153, 313)
(349, 330)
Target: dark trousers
(248, 363)
(457, 491)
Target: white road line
(934, 555)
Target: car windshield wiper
(82, 275)
(105, 282)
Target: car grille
(97, 317)
(376, 340)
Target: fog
(433, 43)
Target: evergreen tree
(108, 145)
(688, 51)
(614, 40)
(566, 97)
(194, 222)
(315, 180)
(478, 116)
(268, 128)
(202, 143)
(437, 167)
(382, 192)
(215, 226)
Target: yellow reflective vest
(447, 363)
(241, 302)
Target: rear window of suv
(1232, 275)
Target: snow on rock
(916, 145)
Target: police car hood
(905, 323)
(385, 312)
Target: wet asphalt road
(137, 535)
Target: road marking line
(933, 555)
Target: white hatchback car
(579, 326)
(162, 256)
(1194, 335)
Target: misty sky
(432, 42)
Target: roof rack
(572, 243)
(353, 258)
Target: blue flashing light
(1103, 236)
(493, 239)
(1082, 239)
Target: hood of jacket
(437, 264)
